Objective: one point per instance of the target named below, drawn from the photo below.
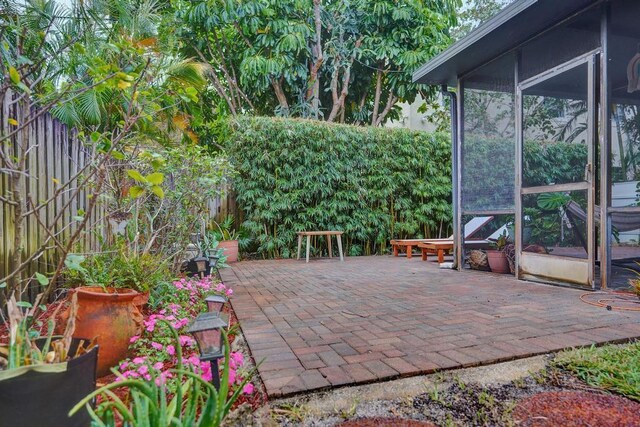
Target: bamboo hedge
(372, 183)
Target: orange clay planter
(230, 249)
(110, 315)
(498, 262)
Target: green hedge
(372, 183)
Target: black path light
(214, 257)
(202, 264)
(207, 331)
(215, 303)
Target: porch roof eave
(514, 25)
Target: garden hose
(613, 300)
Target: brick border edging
(445, 369)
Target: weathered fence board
(55, 155)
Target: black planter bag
(42, 397)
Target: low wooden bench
(470, 228)
(439, 248)
(338, 235)
(406, 245)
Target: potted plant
(227, 238)
(497, 258)
(52, 372)
(106, 313)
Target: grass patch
(612, 367)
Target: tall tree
(348, 61)
(474, 13)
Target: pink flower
(232, 376)
(150, 326)
(205, 368)
(186, 340)
(229, 292)
(144, 369)
(171, 350)
(238, 357)
(248, 388)
(156, 345)
(134, 338)
(193, 360)
(158, 365)
(130, 374)
(139, 360)
(123, 366)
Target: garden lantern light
(202, 265)
(216, 303)
(207, 331)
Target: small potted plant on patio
(42, 378)
(497, 257)
(227, 238)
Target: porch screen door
(556, 129)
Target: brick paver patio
(327, 324)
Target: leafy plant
(501, 242)
(195, 402)
(348, 61)
(373, 184)
(225, 230)
(119, 267)
(22, 349)
(635, 282)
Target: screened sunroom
(546, 131)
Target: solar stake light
(202, 265)
(215, 303)
(207, 331)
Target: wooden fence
(55, 156)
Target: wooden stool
(328, 234)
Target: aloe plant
(22, 350)
(195, 403)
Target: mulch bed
(576, 408)
(385, 422)
(553, 398)
(255, 400)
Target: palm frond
(189, 72)
(88, 107)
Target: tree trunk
(391, 101)
(313, 91)
(282, 97)
(376, 100)
(338, 101)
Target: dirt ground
(481, 396)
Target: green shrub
(372, 183)
(119, 267)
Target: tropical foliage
(373, 184)
(348, 61)
(107, 69)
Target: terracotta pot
(112, 317)
(141, 299)
(498, 262)
(230, 249)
